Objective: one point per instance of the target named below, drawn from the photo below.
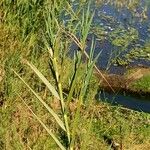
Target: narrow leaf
(48, 130)
(45, 81)
(58, 120)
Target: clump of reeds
(58, 48)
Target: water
(109, 18)
(135, 103)
(125, 19)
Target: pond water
(106, 22)
(128, 101)
(121, 35)
(108, 19)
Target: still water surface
(122, 17)
(109, 18)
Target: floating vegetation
(107, 18)
(100, 32)
(122, 37)
(140, 53)
(124, 26)
(120, 62)
(131, 5)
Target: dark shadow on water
(127, 101)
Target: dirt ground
(122, 82)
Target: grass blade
(48, 130)
(44, 104)
(45, 81)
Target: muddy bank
(128, 82)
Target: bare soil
(123, 82)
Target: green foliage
(122, 38)
(142, 84)
(140, 53)
(58, 93)
(55, 44)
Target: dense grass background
(37, 31)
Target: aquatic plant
(55, 44)
(140, 53)
(122, 37)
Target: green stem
(61, 99)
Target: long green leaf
(48, 130)
(44, 104)
(45, 81)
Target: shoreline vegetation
(47, 99)
(135, 81)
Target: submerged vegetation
(47, 91)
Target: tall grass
(56, 39)
(37, 38)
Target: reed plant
(44, 43)
(57, 38)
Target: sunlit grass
(48, 98)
